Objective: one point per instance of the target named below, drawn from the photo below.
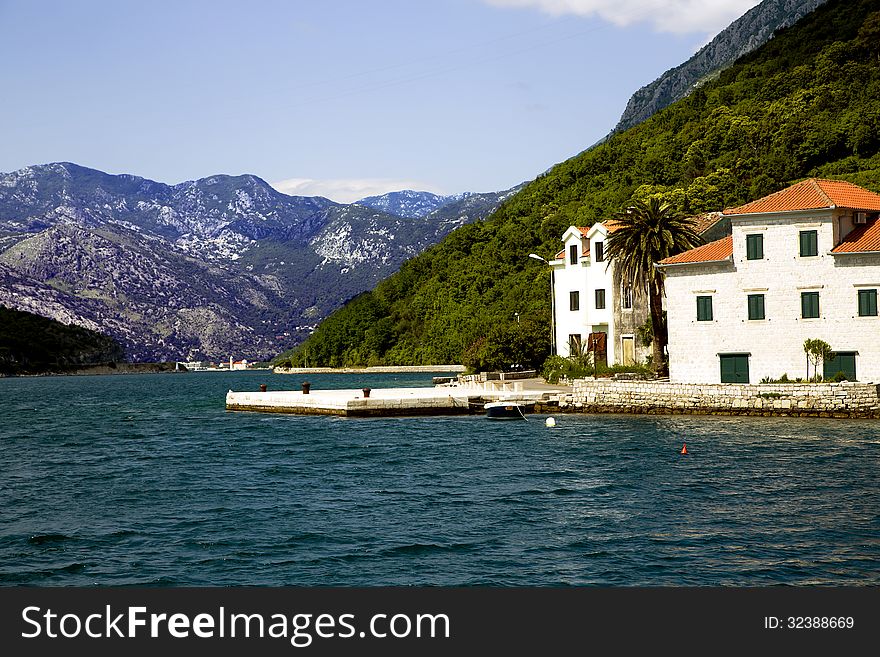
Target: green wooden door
(734, 368)
(843, 361)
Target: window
(600, 251)
(626, 297)
(574, 300)
(574, 345)
(600, 300)
(809, 243)
(754, 247)
(756, 306)
(573, 254)
(704, 309)
(867, 303)
(734, 368)
(809, 305)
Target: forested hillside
(804, 104)
(30, 344)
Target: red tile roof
(863, 239)
(712, 252)
(611, 225)
(813, 194)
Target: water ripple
(147, 481)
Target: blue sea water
(147, 480)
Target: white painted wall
(570, 278)
(584, 277)
(775, 343)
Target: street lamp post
(535, 256)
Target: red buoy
(684, 448)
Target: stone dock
(439, 400)
(469, 395)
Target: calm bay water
(147, 480)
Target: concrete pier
(439, 400)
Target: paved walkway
(439, 400)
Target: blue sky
(339, 98)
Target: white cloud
(349, 190)
(677, 16)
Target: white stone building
(801, 263)
(593, 309)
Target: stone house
(594, 310)
(799, 264)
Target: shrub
(782, 379)
(556, 367)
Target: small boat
(508, 409)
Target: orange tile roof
(863, 239)
(611, 225)
(712, 252)
(813, 194)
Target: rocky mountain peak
(744, 35)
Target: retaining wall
(843, 399)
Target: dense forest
(805, 104)
(30, 344)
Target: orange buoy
(684, 448)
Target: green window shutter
(867, 303)
(809, 243)
(756, 306)
(844, 361)
(728, 370)
(809, 305)
(754, 247)
(600, 252)
(704, 309)
(574, 300)
(734, 368)
(600, 299)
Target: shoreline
(378, 369)
(104, 369)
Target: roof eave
(694, 262)
(837, 253)
(750, 215)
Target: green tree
(817, 351)
(516, 344)
(647, 232)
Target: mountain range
(206, 269)
(228, 266)
(802, 105)
(747, 33)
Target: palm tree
(642, 235)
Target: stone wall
(483, 377)
(822, 400)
